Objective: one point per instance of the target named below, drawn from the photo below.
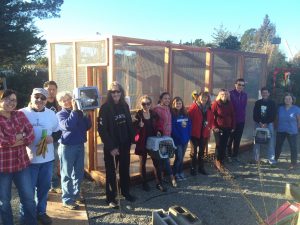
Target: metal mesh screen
(225, 71)
(89, 53)
(140, 70)
(188, 74)
(62, 65)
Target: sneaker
(129, 197)
(44, 219)
(112, 204)
(253, 161)
(146, 187)
(71, 206)
(80, 200)
(55, 190)
(178, 177)
(174, 183)
(182, 176)
(193, 172)
(161, 187)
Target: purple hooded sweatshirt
(239, 102)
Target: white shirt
(40, 121)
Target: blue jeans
(178, 162)
(292, 140)
(71, 171)
(270, 145)
(22, 180)
(55, 179)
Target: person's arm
(67, 121)
(28, 133)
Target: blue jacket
(74, 126)
(181, 134)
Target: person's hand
(19, 136)
(263, 125)
(17, 143)
(74, 105)
(158, 134)
(216, 130)
(114, 152)
(141, 124)
(49, 139)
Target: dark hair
(109, 97)
(239, 80)
(205, 93)
(162, 95)
(50, 82)
(264, 89)
(289, 94)
(175, 111)
(7, 92)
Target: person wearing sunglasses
(15, 134)
(238, 98)
(44, 123)
(144, 124)
(116, 131)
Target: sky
(174, 20)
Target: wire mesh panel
(140, 70)
(225, 71)
(188, 73)
(62, 65)
(89, 53)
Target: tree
(220, 34)
(231, 42)
(199, 42)
(19, 37)
(248, 43)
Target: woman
(223, 124)
(145, 120)
(181, 132)
(44, 123)
(202, 118)
(287, 127)
(116, 131)
(15, 133)
(164, 126)
(74, 125)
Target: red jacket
(196, 117)
(223, 115)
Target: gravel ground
(241, 196)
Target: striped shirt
(14, 159)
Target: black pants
(197, 155)
(123, 161)
(235, 138)
(221, 139)
(156, 165)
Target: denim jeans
(270, 145)
(55, 183)
(71, 171)
(22, 180)
(178, 162)
(292, 140)
(41, 174)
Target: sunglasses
(115, 92)
(146, 103)
(42, 97)
(241, 85)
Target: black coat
(107, 127)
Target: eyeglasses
(146, 103)
(42, 97)
(241, 85)
(115, 92)
(10, 100)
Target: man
(41, 151)
(264, 114)
(238, 99)
(52, 104)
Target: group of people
(47, 138)
(29, 148)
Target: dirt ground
(244, 195)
